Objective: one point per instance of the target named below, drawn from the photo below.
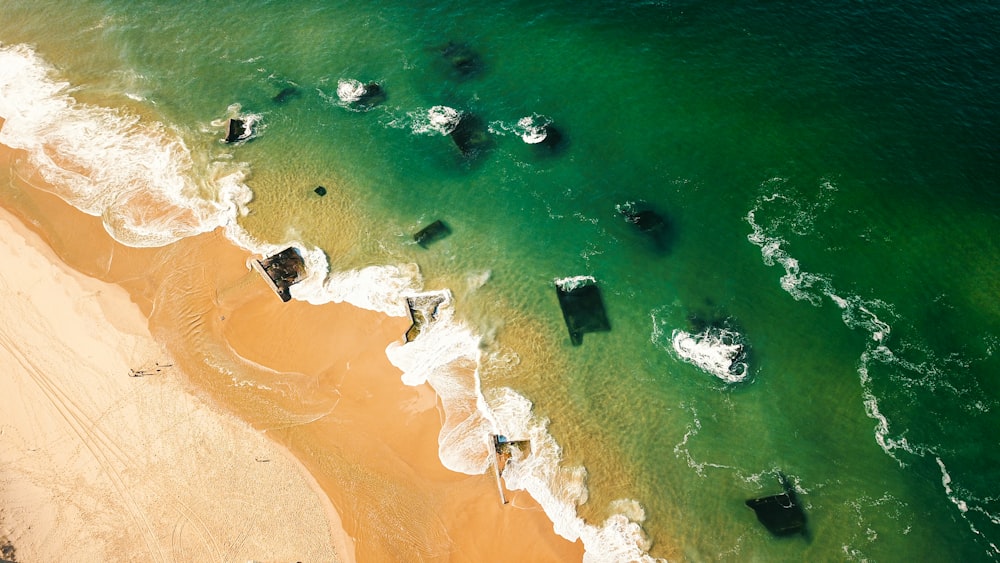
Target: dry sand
(313, 379)
(96, 465)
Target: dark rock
(582, 308)
(236, 130)
(781, 514)
(432, 233)
(320, 191)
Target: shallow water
(826, 176)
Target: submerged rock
(462, 59)
(281, 271)
(286, 95)
(423, 310)
(320, 191)
(539, 132)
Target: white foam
(715, 350)
(350, 90)
(963, 506)
(446, 355)
(379, 288)
(560, 489)
(449, 356)
(533, 128)
(137, 175)
(438, 120)
(574, 282)
(874, 317)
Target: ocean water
(826, 175)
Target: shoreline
(338, 405)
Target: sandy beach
(190, 460)
(107, 455)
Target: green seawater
(828, 178)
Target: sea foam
(532, 129)
(781, 212)
(450, 356)
(137, 174)
(143, 180)
(715, 350)
(438, 120)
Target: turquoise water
(827, 174)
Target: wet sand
(315, 380)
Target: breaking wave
(438, 120)
(450, 356)
(719, 351)
(532, 129)
(149, 188)
(781, 211)
(350, 90)
(137, 175)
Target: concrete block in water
(470, 135)
(582, 308)
(360, 96)
(432, 233)
(423, 310)
(539, 132)
(237, 130)
(781, 514)
(281, 271)
(553, 141)
(462, 59)
(652, 224)
(373, 95)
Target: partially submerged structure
(582, 307)
(539, 132)
(423, 310)
(360, 95)
(432, 233)
(281, 271)
(465, 62)
(781, 514)
(470, 135)
(652, 224)
(500, 451)
(237, 130)
(373, 95)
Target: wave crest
(139, 176)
